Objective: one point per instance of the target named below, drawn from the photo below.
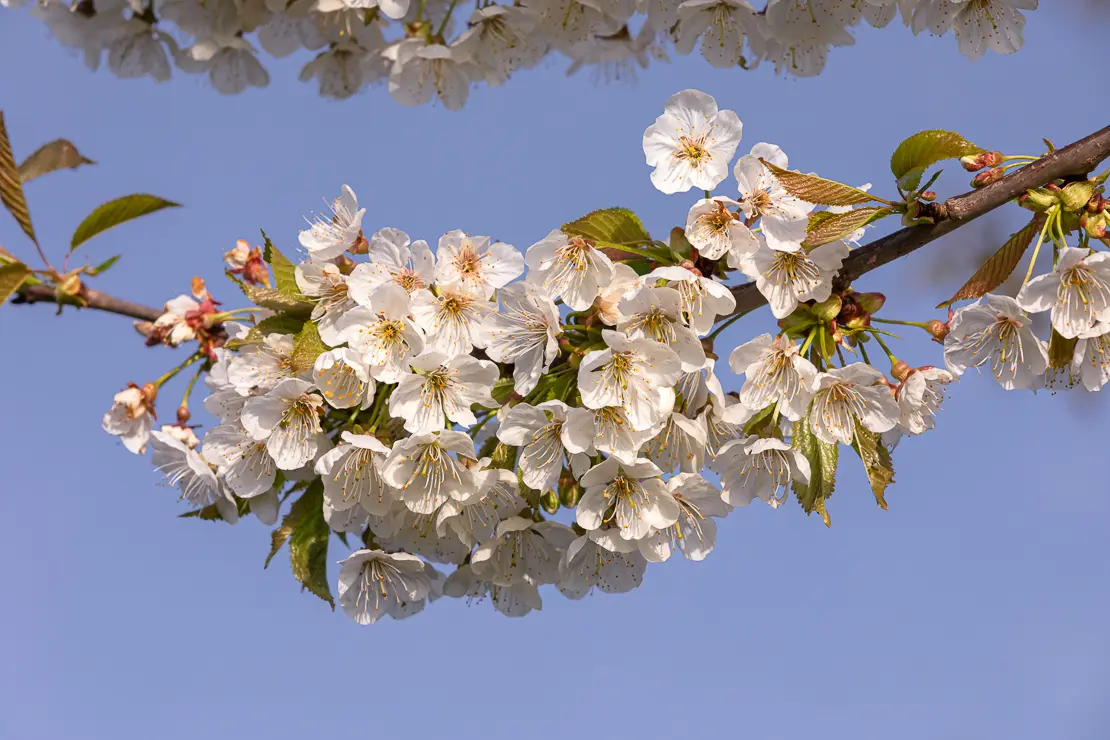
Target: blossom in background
(695, 532)
(603, 560)
(762, 468)
(187, 470)
(522, 549)
(692, 143)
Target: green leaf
(680, 245)
(876, 460)
(57, 155)
(115, 212)
(306, 348)
(212, 514)
(922, 150)
(614, 226)
(11, 185)
(760, 421)
(307, 533)
(273, 299)
(1061, 351)
(818, 190)
(11, 277)
(285, 272)
(840, 225)
(823, 458)
(996, 269)
(103, 265)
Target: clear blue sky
(975, 608)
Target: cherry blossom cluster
(556, 417)
(440, 48)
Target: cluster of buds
(190, 318)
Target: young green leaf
(285, 272)
(876, 460)
(211, 513)
(924, 149)
(818, 190)
(11, 277)
(57, 155)
(614, 226)
(116, 212)
(839, 225)
(11, 185)
(823, 458)
(275, 300)
(279, 324)
(996, 269)
(103, 265)
(306, 348)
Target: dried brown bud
(986, 178)
(183, 415)
(900, 370)
(937, 329)
(929, 195)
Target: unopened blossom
(427, 471)
(383, 334)
(475, 520)
(639, 499)
(603, 560)
(569, 267)
(454, 322)
(288, 418)
(786, 279)
(442, 388)
(695, 532)
(715, 230)
(628, 373)
(515, 600)
(525, 333)
(546, 436)
(775, 373)
(680, 443)
(474, 265)
(423, 71)
(692, 143)
(343, 379)
(240, 459)
(393, 259)
(332, 234)
(375, 584)
(131, 418)
(187, 470)
(722, 26)
(351, 473)
(782, 216)
(257, 368)
(624, 282)
(703, 298)
(995, 330)
(522, 548)
(656, 313)
(326, 286)
(761, 468)
(1091, 360)
(1077, 292)
(845, 397)
(919, 397)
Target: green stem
(653, 256)
(376, 409)
(890, 355)
(473, 431)
(863, 352)
(724, 325)
(1037, 249)
(189, 361)
(446, 18)
(809, 340)
(189, 388)
(918, 324)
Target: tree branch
(94, 298)
(1075, 159)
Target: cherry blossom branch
(93, 299)
(1078, 158)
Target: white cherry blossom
(442, 388)
(775, 372)
(351, 473)
(454, 322)
(187, 470)
(786, 279)
(423, 468)
(569, 267)
(546, 436)
(474, 265)
(327, 287)
(1077, 292)
(919, 397)
(846, 396)
(383, 333)
(625, 282)
(130, 419)
(343, 379)
(656, 313)
(715, 231)
(423, 71)
(258, 367)
(695, 532)
(374, 584)
(1091, 361)
(475, 520)
(722, 26)
(680, 443)
(703, 298)
(525, 333)
(995, 330)
(629, 374)
(332, 234)
(782, 216)
(759, 467)
(288, 418)
(692, 143)
(393, 259)
(639, 499)
(522, 549)
(241, 460)
(516, 600)
(603, 560)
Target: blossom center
(692, 149)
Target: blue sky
(975, 607)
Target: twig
(94, 298)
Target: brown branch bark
(94, 298)
(1075, 159)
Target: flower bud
(900, 370)
(150, 395)
(183, 415)
(829, 309)
(1097, 204)
(1097, 225)
(937, 329)
(976, 162)
(549, 500)
(1076, 195)
(987, 177)
(1038, 199)
(570, 494)
(345, 264)
(871, 302)
(361, 246)
(929, 195)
